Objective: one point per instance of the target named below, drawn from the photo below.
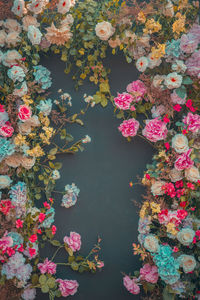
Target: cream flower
(27, 162)
(180, 143)
(173, 80)
(168, 9)
(156, 188)
(37, 6)
(58, 36)
(142, 64)
(158, 81)
(64, 6)
(68, 20)
(19, 8)
(192, 174)
(187, 262)
(13, 39)
(25, 127)
(114, 43)
(175, 175)
(11, 57)
(13, 160)
(34, 35)
(29, 20)
(3, 36)
(104, 30)
(153, 62)
(151, 243)
(12, 25)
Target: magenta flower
(193, 122)
(123, 101)
(137, 89)
(47, 267)
(129, 127)
(131, 285)
(184, 161)
(149, 273)
(155, 130)
(73, 241)
(67, 287)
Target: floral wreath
(163, 38)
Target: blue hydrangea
(45, 106)
(70, 198)
(6, 148)
(50, 214)
(173, 48)
(42, 76)
(16, 267)
(167, 265)
(17, 238)
(16, 74)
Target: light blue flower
(185, 236)
(143, 225)
(180, 143)
(167, 265)
(29, 294)
(70, 198)
(17, 238)
(45, 106)
(173, 48)
(151, 243)
(187, 262)
(3, 117)
(5, 181)
(16, 74)
(50, 214)
(42, 76)
(34, 35)
(6, 148)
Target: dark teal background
(102, 172)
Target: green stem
(56, 252)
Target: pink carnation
(184, 161)
(123, 101)
(138, 89)
(67, 287)
(129, 127)
(149, 273)
(47, 267)
(74, 241)
(155, 130)
(131, 285)
(192, 122)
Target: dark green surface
(102, 172)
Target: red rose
(6, 130)
(24, 112)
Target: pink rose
(129, 127)
(123, 101)
(24, 112)
(155, 130)
(6, 130)
(149, 273)
(184, 161)
(193, 122)
(74, 241)
(131, 285)
(47, 267)
(137, 88)
(67, 287)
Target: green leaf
(104, 102)
(53, 151)
(187, 80)
(51, 282)
(167, 295)
(42, 279)
(104, 87)
(56, 243)
(120, 114)
(74, 266)
(181, 92)
(97, 98)
(37, 196)
(58, 165)
(71, 259)
(51, 165)
(34, 279)
(45, 288)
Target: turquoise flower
(45, 106)
(17, 238)
(16, 74)
(185, 236)
(173, 48)
(6, 148)
(50, 214)
(42, 76)
(167, 265)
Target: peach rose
(104, 30)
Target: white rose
(173, 80)
(34, 35)
(156, 188)
(63, 6)
(192, 174)
(104, 30)
(175, 175)
(180, 143)
(158, 80)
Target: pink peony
(67, 287)
(123, 101)
(193, 64)
(149, 273)
(6, 130)
(189, 43)
(47, 267)
(24, 112)
(155, 130)
(193, 122)
(138, 89)
(129, 127)
(184, 161)
(131, 285)
(74, 241)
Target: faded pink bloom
(6, 242)
(149, 273)
(129, 127)
(47, 267)
(68, 287)
(192, 121)
(131, 285)
(155, 130)
(184, 161)
(123, 101)
(137, 89)
(157, 111)
(189, 43)
(193, 64)
(74, 241)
